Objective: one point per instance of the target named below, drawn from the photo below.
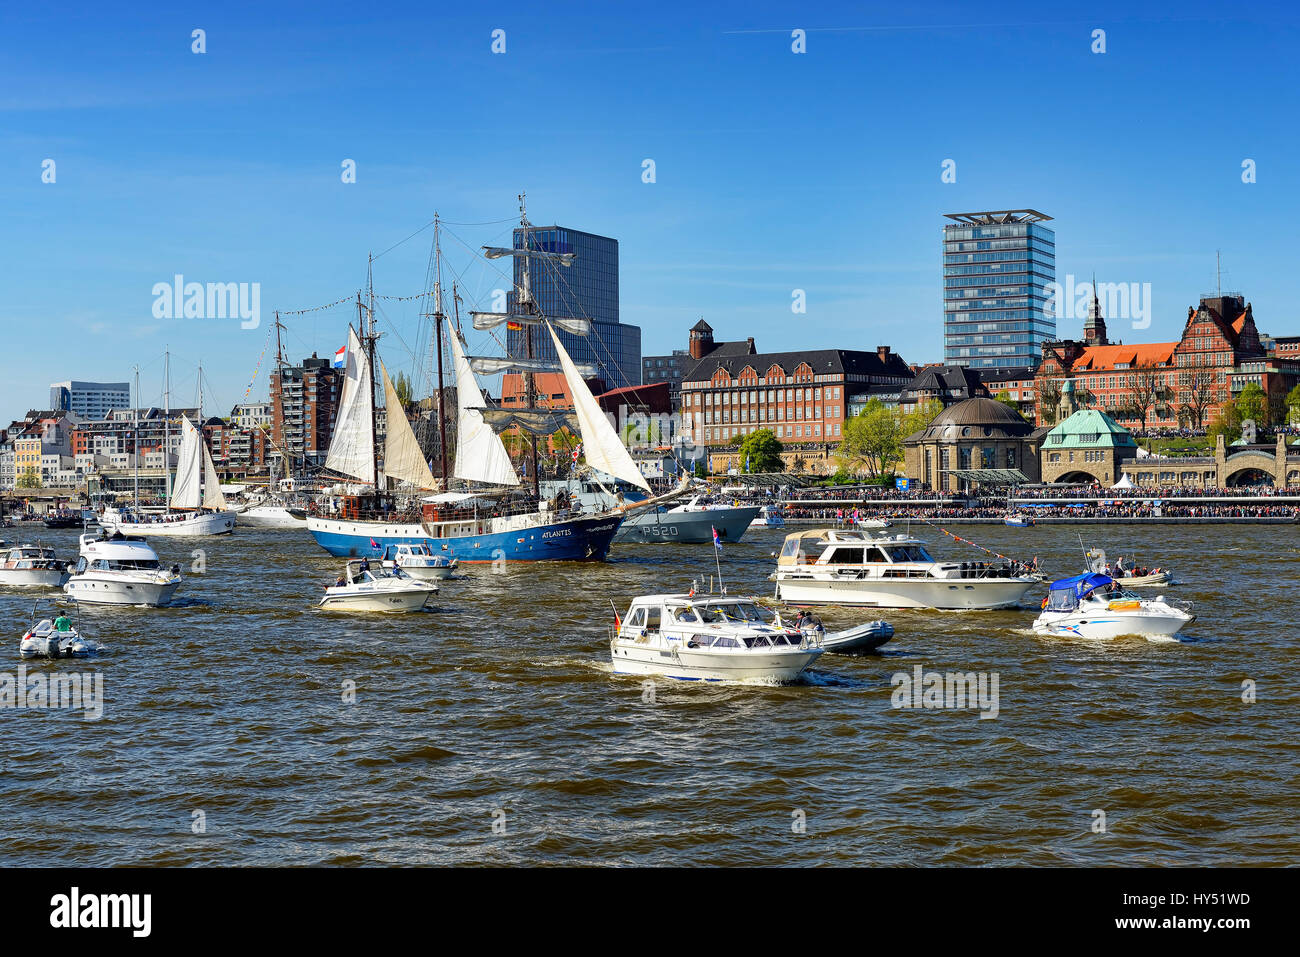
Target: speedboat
(769, 516)
(873, 523)
(1150, 579)
(43, 639)
(119, 570)
(1018, 520)
(858, 567)
(32, 565)
(713, 638)
(419, 561)
(365, 589)
(1096, 606)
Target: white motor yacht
(26, 566)
(364, 588)
(1095, 606)
(120, 570)
(420, 562)
(272, 514)
(858, 567)
(713, 638)
(769, 516)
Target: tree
(30, 478)
(1227, 423)
(872, 439)
(1293, 404)
(1197, 390)
(1253, 404)
(1146, 390)
(761, 452)
(1047, 392)
(1005, 398)
(402, 386)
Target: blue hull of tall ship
(580, 539)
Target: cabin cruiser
(419, 561)
(119, 570)
(769, 516)
(44, 639)
(32, 565)
(1096, 606)
(1018, 520)
(692, 522)
(710, 638)
(362, 588)
(860, 567)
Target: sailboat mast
(279, 371)
(167, 435)
(530, 390)
(136, 439)
(369, 338)
(439, 317)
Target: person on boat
(807, 619)
(62, 623)
(339, 582)
(365, 565)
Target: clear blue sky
(775, 171)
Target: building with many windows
(586, 289)
(304, 402)
(978, 433)
(1167, 384)
(997, 270)
(802, 397)
(89, 400)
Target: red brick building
(1186, 382)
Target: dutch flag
(341, 358)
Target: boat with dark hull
(691, 523)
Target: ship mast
(279, 371)
(439, 317)
(136, 440)
(167, 435)
(526, 300)
(369, 337)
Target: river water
(492, 731)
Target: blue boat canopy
(1082, 584)
(1065, 593)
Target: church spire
(1094, 329)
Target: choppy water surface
(500, 707)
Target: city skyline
(225, 167)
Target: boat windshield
(909, 553)
(735, 611)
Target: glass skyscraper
(997, 267)
(587, 289)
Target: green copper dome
(1089, 429)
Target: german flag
(514, 326)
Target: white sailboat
(196, 505)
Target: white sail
(403, 459)
(600, 442)
(352, 450)
(212, 495)
(490, 320)
(189, 468)
(480, 455)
